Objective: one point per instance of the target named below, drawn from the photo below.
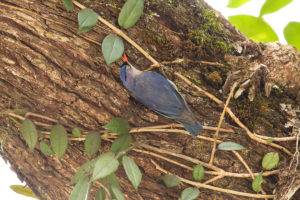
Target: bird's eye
(127, 66)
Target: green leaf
(100, 195)
(112, 180)
(76, 132)
(118, 125)
(236, 3)
(112, 48)
(59, 140)
(117, 193)
(84, 170)
(132, 171)
(271, 6)
(171, 181)
(190, 193)
(87, 19)
(20, 111)
(92, 143)
(81, 189)
(23, 190)
(45, 148)
(29, 133)
(257, 182)
(230, 146)
(198, 172)
(270, 160)
(121, 143)
(254, 28)
(68, 4)
(269, 140)
(130, 13)
(291, 34)
(105, 165)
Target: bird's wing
(156, 92)
(187, 115)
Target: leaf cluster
(101, 168)
(112, 45)
(258, 29)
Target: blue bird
(159, 94)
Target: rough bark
(48, 69)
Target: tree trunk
(46, 68)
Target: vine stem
(202, 185)
(123, 35)
(220, 123)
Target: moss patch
(207, 39)
(251, 112)
(159, 41)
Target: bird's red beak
(125, 57)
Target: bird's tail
(194, 130)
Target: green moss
(250, 112)
(222, 46)
(208, 38)
(160, 41)
(209, 21)
(196, 80)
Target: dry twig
(201, 185)
(220, 123)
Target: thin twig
(220, 123)
(172, 161)
(276, 139)
(187, 158)
(20, 117)
(296, 155)
(213, 179)
(209, 128)
(40, 116)
(181, 60)
(141, 130)
(201, 185)
(244, 163)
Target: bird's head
(127, 70)
(124, 68)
